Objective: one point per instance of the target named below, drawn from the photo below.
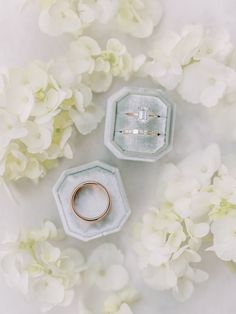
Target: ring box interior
(110, 178)
(125, 112)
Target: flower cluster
(49, 275)
(135, 17)
(41, 270)
(167, 248)
(196, 63)
(40, 104)
(106, 271)
(194, 197)
(222, 196)
(37, 117)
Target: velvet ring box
(110, 178)
(139, 124)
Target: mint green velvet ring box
(139, 124)
(91, 204)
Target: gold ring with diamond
(143, 114)
(140, 132)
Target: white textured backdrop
(20, 42)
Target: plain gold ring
(76, 193)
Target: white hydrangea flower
(41, 270)
(138, 17)
(62, 16)
(202, 164)
(99, 81)
(222, 195)
(38, 138)
(170, 53)
(185, 284)
(184, 187)
(14, 164)
(82, 54)
(224, 237)
(39, 107)
(159, 236)
(113, 61)
(120, 303)
(163, 67)
(208, 80)
(196, 54)
(202, 192)
(85, 114)
(176, 274)
(74, 16)
(18, 100)
(223, 215)
(196, 231)
(180, 198)
(104, 10)
(216, 45)
(195, 197)
(41, 103)
(14, 267)
(190, 39)
(115, 303)
(116, 57)
(106, 268)
(10, 128)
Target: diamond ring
(143, 114)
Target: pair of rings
(77, 192)
(143, 115)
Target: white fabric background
(20, 42)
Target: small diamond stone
(143, 114)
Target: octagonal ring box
(126, 111)
(110, 178)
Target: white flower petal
(138, 18)
(14, 270)
(88, 120)
(49, 253)
(124, 309)
(99, 82)
(37, 76)
(115, 278)
(60, 18)
(39, 137)
(161, 278)
(48, 291)
(184, 290)
(82, 309)
(199, 230)
(202, 164)
(208, 81)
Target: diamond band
(140, 132)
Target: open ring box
(110, 178)
(143, 110)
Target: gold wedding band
(76, 193)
